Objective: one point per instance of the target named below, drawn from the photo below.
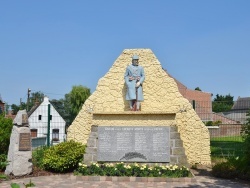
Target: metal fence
(46, 125)
(224, 127)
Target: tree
(197, 89)
(72, 103)
(15, 108)
(34, 97)
(77, 97)
(63, 107)
(5, 132)
(222, 103)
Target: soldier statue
(134, 77)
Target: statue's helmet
(135, 57)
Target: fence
(46, 125)
(225, 127)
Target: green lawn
(227, 146)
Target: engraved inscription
(134, 143)
(24, 142)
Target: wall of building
(161, 95)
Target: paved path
(71, 181)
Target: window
(33, 133)
(40, 117)
(50, 117)
(55, 134)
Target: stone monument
(113, 132)
(20, 153)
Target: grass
(229, 146)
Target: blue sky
(49, 46)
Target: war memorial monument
(158, 127)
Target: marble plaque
(134, 143)
(24, 142)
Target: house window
(55, 134)
(33, 133)
(50, 117)
(40, 117)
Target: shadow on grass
(227, 148)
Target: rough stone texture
(20, 161)
(177, 152)
(21, 118)
(160, 95)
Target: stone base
(20, 162)
(177, 151)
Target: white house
(38, 121)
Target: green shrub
(233, 168)
(224, 170)
(5, 132)
(37, 156)
(3, 162)
(63, 157)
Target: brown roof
(223, 119)
(202, 101)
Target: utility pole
(28, 99)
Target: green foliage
(14, 185)
(213, 123)
(63, 157)
(197, 89)
(225, 170)
(3, 162)
(209, 123)
(5, 132)
(222, 103)
(30, 184)
(37, 156)
(78, 96)
(245, 132)
(15, 108)
(136, 170)
(3, 177)
(72, 103)
(63, 107)
(234, 167)
(34, 97)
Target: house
(239, 110)
(38, 118)
(2, 104)
(201, 101)
(202, 104)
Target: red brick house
(202, 103)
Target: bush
(233, 168)
(225, 170)
(63, 157)
(37, 156)
(3, 162)
(5, 132)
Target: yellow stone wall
(107, 105)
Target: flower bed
(135, 169)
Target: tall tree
(222, 103)
(77, 97)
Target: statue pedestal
(148, 137)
